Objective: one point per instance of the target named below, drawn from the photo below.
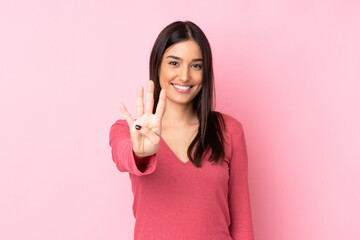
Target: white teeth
(181, 87)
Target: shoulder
(232, 125)
(233, 135)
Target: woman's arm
(143, 138)
(241, 227)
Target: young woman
(187, 163)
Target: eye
(197, 66)
(173, 63)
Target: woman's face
(181, 71)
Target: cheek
(201, 85)
(168, 74)
(163, 84)
(198, 76)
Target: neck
(178, 115)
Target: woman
(187, 163)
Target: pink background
(288, 70)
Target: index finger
(140, 102)
(150, 97)
(126, 114)
(160, 108)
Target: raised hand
(146, 141)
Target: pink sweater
(176, 200)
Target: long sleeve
(122, 153)
(241, 227)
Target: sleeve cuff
(148, 165)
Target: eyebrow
(178, 58)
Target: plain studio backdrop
(287, 70)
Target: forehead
(184, 49)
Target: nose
(184, 74)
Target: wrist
(139, 159)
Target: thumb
(148, 133)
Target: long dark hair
(211, 123)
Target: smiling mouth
(182, 87)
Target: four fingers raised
(152, 134)
(160, 109)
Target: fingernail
(137, 127)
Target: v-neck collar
(173, 154)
